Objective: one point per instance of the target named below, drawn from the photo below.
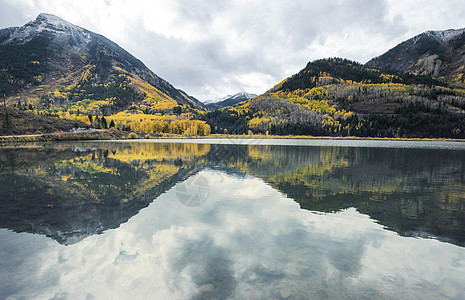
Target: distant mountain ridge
(50, 60)
(440, 54)
(230, 100)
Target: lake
(233, 219)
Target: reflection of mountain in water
(74, 194)
(68, 194)
(413, 192)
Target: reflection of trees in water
(414, 192)
(84, 188)
(76, 193)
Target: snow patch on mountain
(446, 35)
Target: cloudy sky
(218, 47)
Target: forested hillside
(338, 97)
(17, 122)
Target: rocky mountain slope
(440, 54)
(50, 62)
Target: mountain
(229, 100)
(57, 66)
(339, 97)
(440, 54)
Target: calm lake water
(233, 219)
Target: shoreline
(307, 137)
(119, 136)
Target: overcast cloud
(213, 48)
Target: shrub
(133, 135)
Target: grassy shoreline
(112, 134)
(61, 136)
(223, 136)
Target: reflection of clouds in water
(209, 267)
(124, 257)
(430, 262)
(19, 254)
(247, 241)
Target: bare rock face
(440, 54)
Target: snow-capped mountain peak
(49, 50)
(62, 30)
(229, 100)
(240, 95)
(52, 20)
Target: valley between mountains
(68, 77)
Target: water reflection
(72, 192)
(249, 239)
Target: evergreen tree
(7, 121)
(97, 123)
(104, 122)
(177, 110)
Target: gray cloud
(214, 48)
